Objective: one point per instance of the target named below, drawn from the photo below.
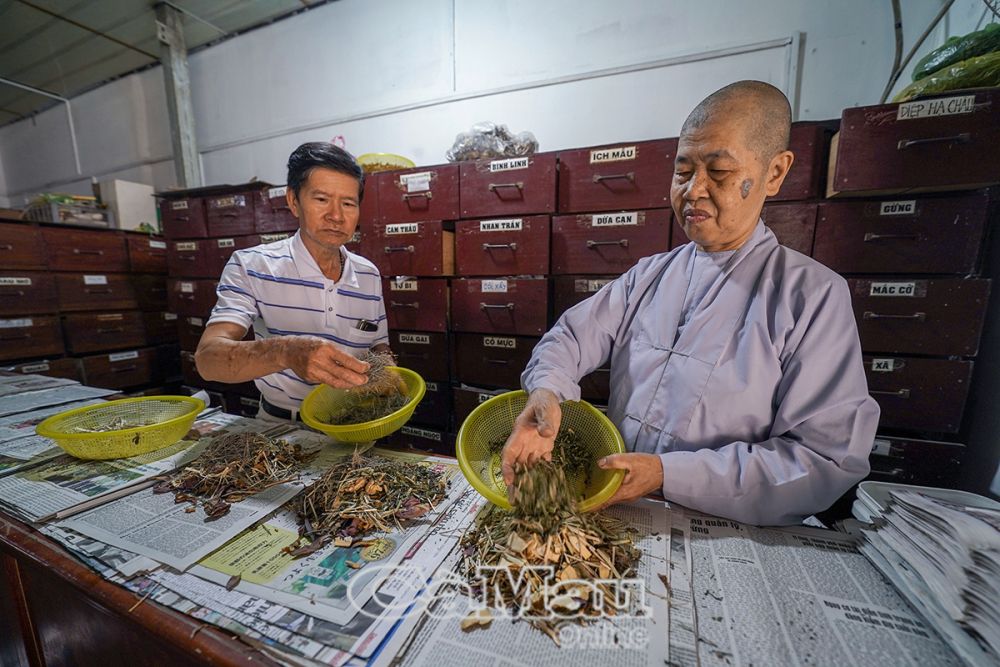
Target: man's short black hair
(314, 154)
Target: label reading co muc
(500, 341)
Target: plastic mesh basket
(493, 420)
(149, 423)
(323, 400)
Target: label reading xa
(512, 225)
(403, 228)
(614, 219)
(500, 341)
(418, 339)
(883, 365)
(509, 164)
(616, 154)
(908, 207)
(494, 286)
(484, 397)
(893, 289)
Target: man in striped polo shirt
(315, 307)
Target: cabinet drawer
(95, 332)
(596, 386)
(119, 370)
(468, 399)
(57, 368)
(26, 337)
(368, 212)
(410, 248)
(810, 142)
(205, 258)
(425, 352)
(22, 247)
(927, 235)
(502, 247)
(419, 304)
(161, 327)
(510, 186)
(426, 193)
(189, 298)
(794, 225)
(517, 306)
(616, 177)
(230, 215)
(271, 212)
(237, 404)
(939, 317)
(413, 437)
(150, 291)
(947, 142)
(919, 394)
(191, 377)
(23, 292)
(567, 291)
(183, 218)
(435, 407)
(492, 361)
(85, 250)
(189, 330)
(95, 291)
(145, 254)
(913, 461)
(607, 242)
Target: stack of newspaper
(941, 549)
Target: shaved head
(766, 116)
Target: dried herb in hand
(384, 393)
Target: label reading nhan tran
(893, 289)
(502, 342)
(403, 228)
(883, 365)
(511, 225)
(614, 219)
(616, 154)
(908, 207)
(417, 339)
(509, 164)
(943, 106)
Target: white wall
(406, 75)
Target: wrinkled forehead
(714, 139)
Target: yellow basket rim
(500, 500)
(44, 428)
(368, 157)
(343, 429)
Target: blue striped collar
(307, 267)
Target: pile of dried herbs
(233, 467)
(569, 453)
(364, 494)
(384, 393)
(545, 529)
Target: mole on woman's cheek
(745, 187)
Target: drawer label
(274, 193)
(418, 339)
(893, 289)
(431, 386)
(883, 365)
(170, 317)
(19, 282)
(908, 207)
(356, 237)
(232, 201)
(583, 285)
(403, 285)
(95, 280)
(419, 182)
(945, 106)
(35, 368)
(158, 245)
(123, 356)
(196, 321)
(110, 317)
(882, 447)
(511, 225)
(484, 397)
(494, 286)
(226, 243)
(179, 205)
(403, 228)
(500, 341)
(17, 324)
(186, 245)
(614, 219)
(187, 288)
(617, 154)
(271, 238)
(421, 433)
(509, 164)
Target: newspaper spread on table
(21, 384)
(23, 402)
(23, 424)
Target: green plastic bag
(982, 71)
(957, 49)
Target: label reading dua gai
(417, 339)
(402, 228)
(893, 289)
(614, 219)
(509, 164)
(908, 207)
(616, 154)
(511, 225)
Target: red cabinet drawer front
(435, 407)
(413, 437)
(909, 316)
(57, 368)
(119, 370)
(26, 337)
(24, 292)
(191, 298)
(368, 212)
(146, 254)
(794, 225)
(425, 352)
(616, 177)
(206, 258)
(468, 399)
(410, 248)
(810, 142)
(518, 306)
(21, 246)
(150, 291)
(919, 394)
(912, 461)
(492, 361)
(947, 142)
(567, 291)
(95, 332)
(426, 193)
(95, 291)
(902, 235)
(161, 327)
(596, 386)
(502, 246)
(230, 215)
(271, 212)
(85, 250)
(607, 242)
(189, 331)
(510, 186)
(183, 218)
(419, 304)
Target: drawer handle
(229, 214)
(77, 251)
(902, 393)
(21, 337)
(499, 246)
(112, 330)
(496, 306)
(185, 218)
(399, 304)
(595, 244)
(6, 246)
(496, 186)
(107, 290)
(188, 258)
(869, 315)
(17, 293)
(124, 369)
(882, 237)
(600, 178)
(499, 362)
(189, 297)
(413, 195)
(399, 248)
(962, 138)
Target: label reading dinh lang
(883, 365)
(402, 228)
(502, 342)
(509, 164)
(123, 356)
(15, 282)
(907, 207)
(616, 154)
(511, 225)
(417, 339)
(614, 219)
(493, 287)
(418, 182)
(893, 289)
(943, 106)
(398, 285)
(421, 433)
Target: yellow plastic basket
(324, 400)
(493, 421)
(375, 162)
(166, 420)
